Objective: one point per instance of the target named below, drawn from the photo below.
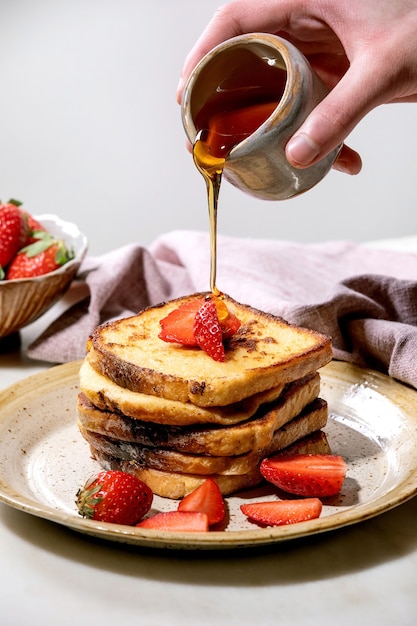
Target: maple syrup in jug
(249, 91)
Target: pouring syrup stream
(210, 151)
(240, 104)
(211, 167)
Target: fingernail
(302, 149)
(342, 166)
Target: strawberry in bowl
(39, 258)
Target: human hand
(364, 50)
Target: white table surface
(365, 574)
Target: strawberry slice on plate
(206, 498)
(282, 512)
(309, 475)
(180, 521)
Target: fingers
(330, 123)
(230, 20)
(316, 138)
(299, 154)
(355, 91)
(302, 152)
(348, 161)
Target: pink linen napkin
(364, 298)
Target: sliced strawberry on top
(180, 521)
(281, 512)
(206, 498)
(207, 331)
(203, 322)
(319, 475)
(178, 326)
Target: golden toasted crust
(176, 485)
(264, 353)
(107, 396)
(312, 418)
(251, 435)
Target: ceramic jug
(257, 164)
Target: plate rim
(67, 373)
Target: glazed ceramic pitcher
(257, 164)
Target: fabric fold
(363, 297)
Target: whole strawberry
(114, 496)
(35, 228)
(44, 255)
(13, 232)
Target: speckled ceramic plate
(44, 460)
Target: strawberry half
(281, 512)
(180, 521)
(114, 496)
(178, 326)
(208, 499)
(203, 322)
(318, 475)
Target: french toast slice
(108, 396)
(250, 435)
(312, 418)
(176, 485)
(264, 353)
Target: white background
(90, 130)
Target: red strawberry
(45, 255)
(181, 521)
(309, 475)
(177, 326)
(207, 331)
(35, 228)
(113, 496)
(13, 232)
(281, 512)
(207, 498)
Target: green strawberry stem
(43, 242)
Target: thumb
(333, 119)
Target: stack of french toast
(173, 416)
